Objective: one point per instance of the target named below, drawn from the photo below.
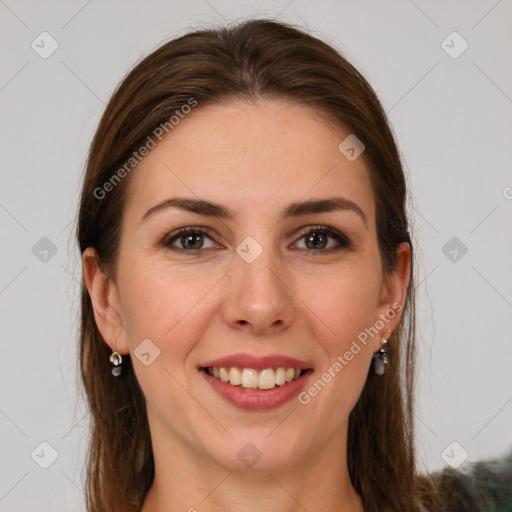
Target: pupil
(315, 238)
(195, 240)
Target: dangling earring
(380, 358)
(116, 360)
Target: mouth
(256, 383)
(254, 379)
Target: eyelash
(344, 242)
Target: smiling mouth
(250, 378)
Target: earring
(380, 358)
(116, 360)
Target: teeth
(235, 376)
(280, 376)
(250, 378)
(267, 379)
(224, 377)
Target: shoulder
(478, 487)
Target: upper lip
(258, 363)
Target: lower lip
(257, 399)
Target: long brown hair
(251, 60)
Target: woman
(247, 337)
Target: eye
(188, 240)
(191, 240)
(317, 239)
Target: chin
(258, 453)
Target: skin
(254, 159)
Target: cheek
(344, 310)
(166, 307)
(345, 302)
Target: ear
(393, 292)
(105, 303)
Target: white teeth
(235, 376)
(250, 378)
(280, 376)
(267, 379)
(224, 375)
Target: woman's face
(280, 276)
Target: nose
(259, 297)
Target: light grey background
(452, 119)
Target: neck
(187, 480)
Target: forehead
(251, 157)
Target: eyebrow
(295, 209)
